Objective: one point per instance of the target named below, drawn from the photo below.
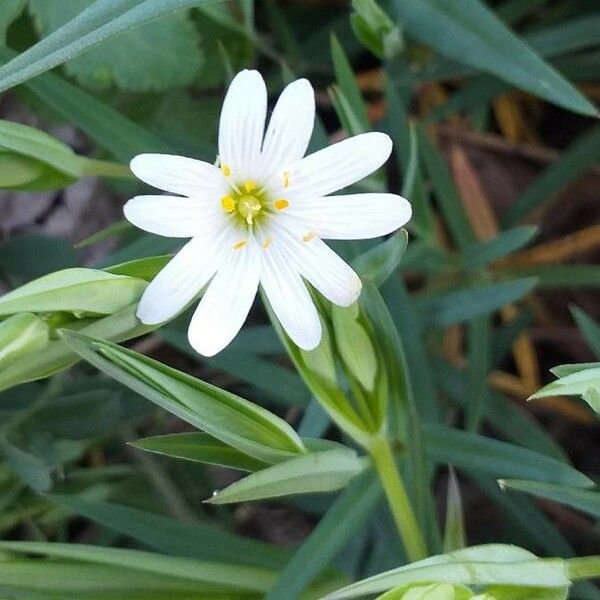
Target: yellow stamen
(228, 204)
(311, 235)
(250, 185)
(226, 169)
(281, 204)
(267, 242)
(239, 245)
(286, 179)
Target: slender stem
(399, 503)
(106, 168)
(586, 567)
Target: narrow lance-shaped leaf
(95, 24)
(192, 539)
(585, 500)
(456, 306)
(478, 565)
(468, 31)
(121, 325)
(481, 454)
(141, 562)
(378, 263)
(574, 380)
(78, 290)
(315, 472)
(233, 420)
(199, 447)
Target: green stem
(586, 567)
(106, 168)
(399, 503)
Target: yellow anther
(311, 235)
(228, 204)
(286, 179)
(250, 185)
(226, 169)
(239, 245)
(267, 242)
(281, 204)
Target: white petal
(353, 216)
(322, 267)
(174, 216)
(290, 299)
(178, 174)
(242, 124)
(179, 282)
(226, 302)
(290, 128)
(337, 166)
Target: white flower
(259, 217)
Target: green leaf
(343, 521)
(32, 159)
(142, 268)
(21, 334)
(469, 32)
(56, 356)
(278, 382)
(184, 571)
(317, 369)
(350, 90)
(154, 56)
(109, 129)
(480, 254)
(95, 24)
(449, 308)
(454, 532)
(354, 345)
(589, 328)
(193, 539)
(31, 469)
(235, 421)
(574, 380)
(585, 500)
(378, 263)
(503, 592)
(375, 29)
(404, 136)
(315, 472)
(16, 172)
(199, 447)
(445, 189)
(485, 455)
(433, 591)
(578, 158)
(478, 565)
(559, 276)
(78, 290)
(9, 11)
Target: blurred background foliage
(491, 109)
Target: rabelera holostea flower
(259, 217)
